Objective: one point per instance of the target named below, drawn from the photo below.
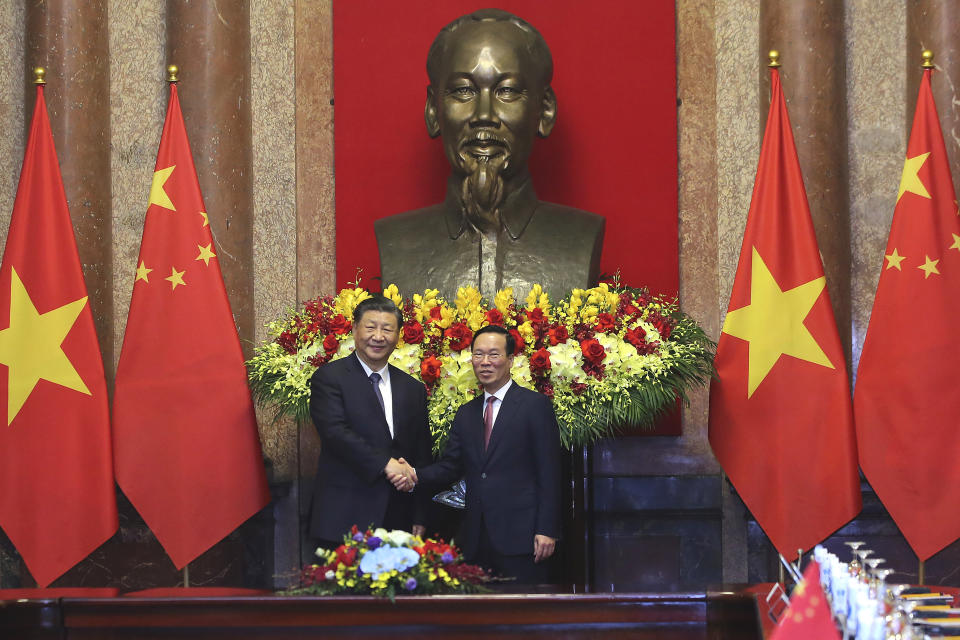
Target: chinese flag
(57, 500)
(906, 402)
(781, 423)
(808, 615)
(187, 451)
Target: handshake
(401, 474)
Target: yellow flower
(468, 299)
(526, 331)
(538, 298)
(503, 299)
(348, 299)
(393, 293)
(422, 304)
(575, 301)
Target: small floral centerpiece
(608, 357)
(389, 563)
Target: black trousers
(521, 567)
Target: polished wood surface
(654, 615)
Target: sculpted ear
(430, 114)
(548, 113)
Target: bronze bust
(489, 96)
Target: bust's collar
(515, 214)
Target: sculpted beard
(485, 157)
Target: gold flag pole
(39, 75)
(172, 71)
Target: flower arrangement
(390, 563)
(608, 357)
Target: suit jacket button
(483, 476)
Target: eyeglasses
(492, 358)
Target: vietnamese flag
(781, 422)
(185, 435)
(57, 498)
(906, 403)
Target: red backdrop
(613, 150)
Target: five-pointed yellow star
(928, 267)
(158, 196)
(773, 323)
(205, 254)
(956, 242)
(206, 220)
(175, 278)
(909, 180)
(30, 347)
(894, 260)
(143, 272)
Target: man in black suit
(361, 442)
(506, 444)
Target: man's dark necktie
(375, 379)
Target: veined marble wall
(722, 104)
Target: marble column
(933, 25)
(210, 43)
(69, 38)
(810, 38)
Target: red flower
(636, 337)
(558, 335)
(346, 555)
(288, 341)
(578, 387)
(540, 360)
(494, 317)
(605, 322)
(630, 310)
(536, 316)
(435, 314)
(519, 340)
(460, 336)
(663, 326)
(331, 344)
(413, 332)
(430, 369)
(339, 324)
(592, 351)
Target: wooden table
(203, 613)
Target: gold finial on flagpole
(774, 58)
(172, 71)
(927, 56)
(38, 75)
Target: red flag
(808, 617)
(57, 500)
(781, 422)
(906, 402)
(187, 451)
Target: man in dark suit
(506, 444)
(361, 441)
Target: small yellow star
(158, 196)
(205, 254)
(800, 588)
(909, 180)
(956, 242)
(206, 220)
(175, 278)
(928, 267)
(31, 347)
(143, 272)
(894, 260)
